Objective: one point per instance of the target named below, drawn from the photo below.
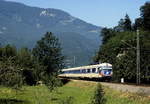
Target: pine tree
(120, 27)
(145, 15)
(127, 23)
(124, 24)
(48, 54)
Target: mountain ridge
(23, 25)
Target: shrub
(98, 97)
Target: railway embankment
(140, 90)
(143, 90)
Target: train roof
(88, 67)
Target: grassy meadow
(74, 92)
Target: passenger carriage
(99, 71)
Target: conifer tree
(127, 23)
(145, 15)
(48, 54)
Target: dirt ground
(142, 90)
(129, 88)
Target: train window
(83, 71)
(93, 70)
(78, 71)
(88, 70)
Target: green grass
(78, 92)
(28, 95)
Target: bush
(10, 75)
(98, 97)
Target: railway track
(143, 90)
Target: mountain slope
(22, 25)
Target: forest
(40, 65)
(119, 47)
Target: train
(98, 71)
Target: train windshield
(107, 69)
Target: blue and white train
(99, 71)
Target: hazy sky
(98, 12)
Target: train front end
(105, 71)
